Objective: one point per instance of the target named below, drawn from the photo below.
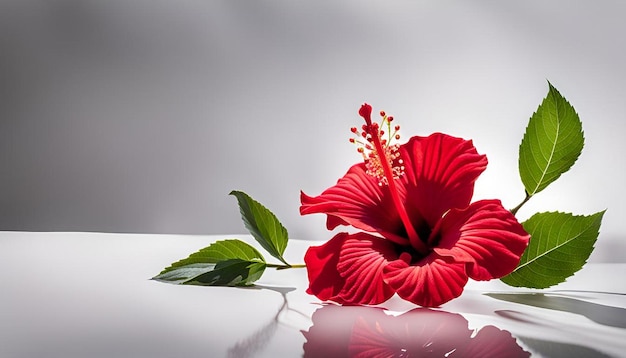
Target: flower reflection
(357, 331)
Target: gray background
(141, 116)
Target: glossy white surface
(90, 295)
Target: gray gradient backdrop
(141, 116)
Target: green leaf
(263, 225)
(552, 143)
(233, 272)
(223, 263)
(560, 244)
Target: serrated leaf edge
(234, 283)
(552, 92)
(271, 248)
(179, 263)
(600, 214)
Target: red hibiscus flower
(421, 238)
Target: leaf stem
(516, 209)
(286, 266)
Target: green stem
(284, 267)
(516, 209)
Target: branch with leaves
(560, 243)
(234, 262)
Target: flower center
(383, 162)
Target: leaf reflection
(371, 332)
(252, 345)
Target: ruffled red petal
(431, 282)
(359, 201)
(361, 264)
(348, 269)
(440, 172)
(486, 236)
(321, 266)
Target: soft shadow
(350, 331)
(557, 349)
(602, 314)
(544, 347)
(518, 317)
(250, 346)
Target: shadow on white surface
(601, 314)
(252, 345)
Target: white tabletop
(90, 295)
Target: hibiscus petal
(430, 282)
(359, 201)
(361, 264)
(348, 269)
(321, 266)
(440, 171)
(485, 235)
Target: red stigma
(366, 112)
